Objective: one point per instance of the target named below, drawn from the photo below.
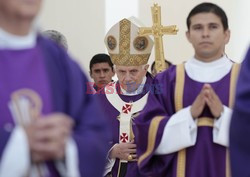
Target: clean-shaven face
(208, 37)
(130, 77)
(20, 9)
(101, 73)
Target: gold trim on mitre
(128, 42)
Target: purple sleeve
(91, 132)
(150, 126)
(70, 92)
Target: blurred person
(240, 127)
(57, 37)
(101, 70)
(49, 126)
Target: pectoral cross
(157, 30)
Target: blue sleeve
(240, 124)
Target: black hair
(100, 58)
(208, 7)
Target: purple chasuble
(21, 69)
(48, 70)
(112, 113)
(205, 158)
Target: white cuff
(109, 163)
(180, 132)
(221, 127)
(15, 160)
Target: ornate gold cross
(157, 30)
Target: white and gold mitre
(125, 46)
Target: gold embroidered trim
(151, 137)
(234, 77)
(179, 87)
(119, 168)
(228, 169)
(129, 59)
(181, 163)
(180, 72)
(205, 121)
(124, 58)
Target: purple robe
(240, 124)
(59, 81)
(112, 114)
(205, 158)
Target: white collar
(137, 91)
(208, 72)
(11, 41)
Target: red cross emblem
(126, 108)
(124, 137)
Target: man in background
(101, 70)
(57, 37)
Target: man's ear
(188, 35)
(227, 36)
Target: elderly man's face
(19, 9)
(130, 77)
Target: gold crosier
(157, 30)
